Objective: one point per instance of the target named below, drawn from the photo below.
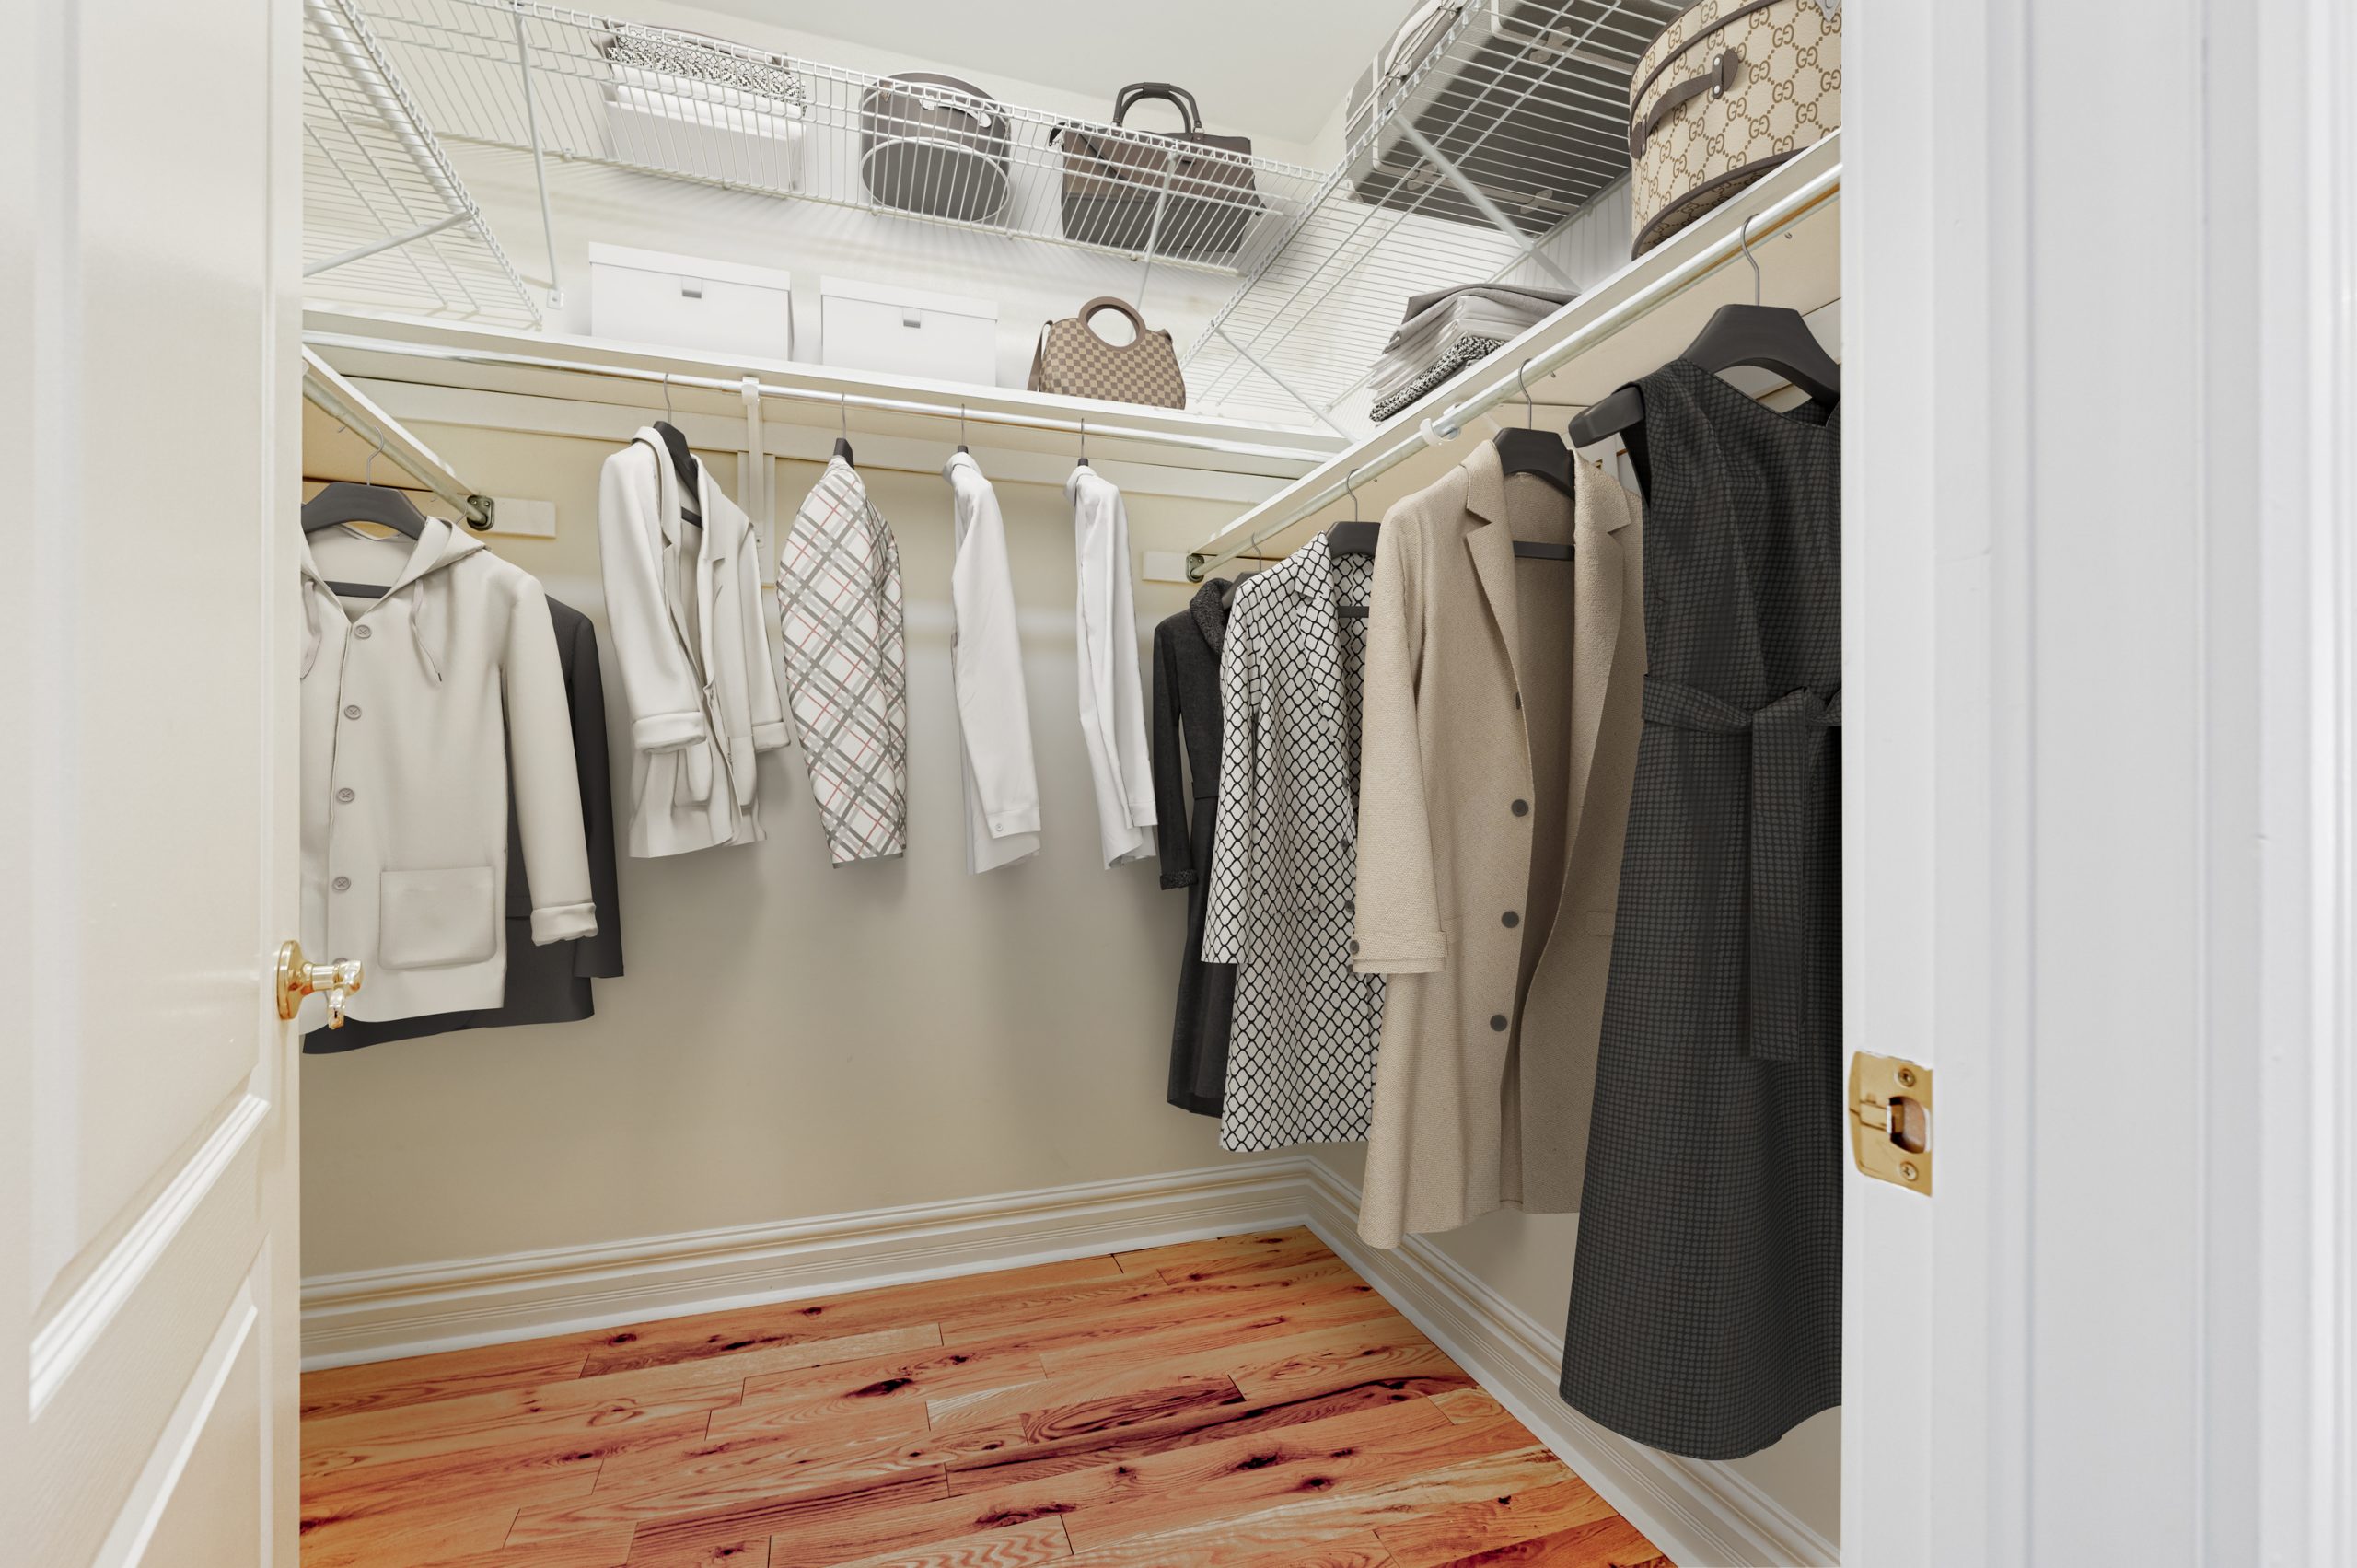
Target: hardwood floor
(1242, 1403)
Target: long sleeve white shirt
(986, 660)
(1112, 699)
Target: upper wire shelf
(579, 86)
(385, 217)
(1469, 147)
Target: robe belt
(1781, 852)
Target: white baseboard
(380, 1314)
(1703, 1514)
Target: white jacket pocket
(429, 920)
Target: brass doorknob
(298, 979)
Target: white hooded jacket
(1112, 700)
(986, 658)
(417, 709)
(699, 683)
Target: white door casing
(2100, 327)
(149, 194)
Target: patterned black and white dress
(846, 669)
(1285, 856)
(1706, 1297)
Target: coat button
(1511, 919)
(341, 884)
(1498, 1022)
(1522, 808)
(1355, 945)
(352, 710)
(363, 632)
(344, 795)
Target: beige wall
(793, 1040)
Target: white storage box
(903, 331)
(648, 296)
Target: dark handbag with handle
(1187, 193)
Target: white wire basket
(599, 89)
(1488, 128)
(386, 219)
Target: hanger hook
(1529, 419)
(368, 469)
(962, 424)
(668, 417)
(843, 414)
(1351, 487)
(1743, 238)
(1083, 440)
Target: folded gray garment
(1462, 350)
(1516, 299)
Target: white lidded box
(649, 296)
(906, 332)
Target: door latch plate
(1891, 1121)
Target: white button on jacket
(417, 709)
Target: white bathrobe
(683, 605)
(1112, 701)
(417, 710)
(986, 660)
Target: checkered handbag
(1073, 361)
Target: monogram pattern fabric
(1073, 361)
(1786, 95)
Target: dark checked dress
(1706, 1299)
(846, 672)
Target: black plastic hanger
(1353, 538)
(343, 502)
(683, 462)
(1770, 337)
(1535, 451)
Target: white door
(149, 213)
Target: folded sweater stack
(1444, 331)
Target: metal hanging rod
(950, 410)
(1498, 378)
(349, 406)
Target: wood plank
(1057, 1407)
(1026, 1545)
(1109, 1339)
(671, 1341)
(379, 1385)
(1343, 1362)
(1444, 1535)
(606, 1549)
(1002, 1464)
(1607, 1543)
(403, 1539)
(1263, 1535)
(580, 1404)
(779, 1401)
(1299, 1242)
(899, 1512)
(1469, 1404)
(754, 1553)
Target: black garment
(551, 985)
(1186, 702)
(1706, 1303)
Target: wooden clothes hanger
(1768, 337)
(341, 502)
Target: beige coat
(1503, 709)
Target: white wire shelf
(385, 217)
(1465, 157)
(605, 90)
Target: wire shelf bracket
(385, 215)
(1468, 151)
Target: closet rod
(1449, 424)
(349, 406)
(828, 399)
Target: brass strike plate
(1891, 1121)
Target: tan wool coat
(1503, 699)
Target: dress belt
(1781, 853)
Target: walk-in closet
(1381, 784)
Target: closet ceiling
(1270, 70)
